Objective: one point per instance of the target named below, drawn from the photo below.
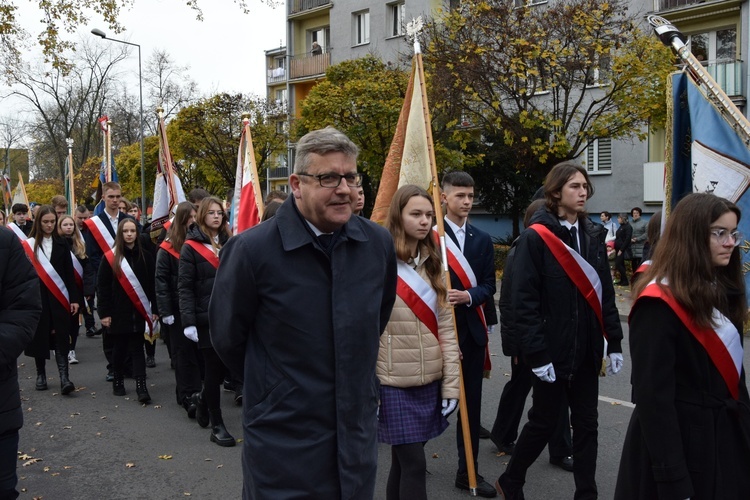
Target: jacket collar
(295, 232)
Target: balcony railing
(278, 173)
(308, 65)
(672, 4)
(297, 6)
(728, 75)
(276, 75)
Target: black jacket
(623, 241)
(508, 334)
(20, 308)
(89, 272)
(196, 280)
(554, 322)
(167, 270)
(115, 303)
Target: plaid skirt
(411, 414)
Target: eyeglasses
(723, 235)
(334, 180)
(214, 212)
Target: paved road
(93, 445)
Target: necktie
(574, 239)
(325, 241)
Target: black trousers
(124, 344)
(187, 361)
(582, 392)
(88, 314)
(620, 268)
(214, 369)
(510, 410)
(8, 461)
(472, 366)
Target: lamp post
(103, 35)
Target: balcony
(275, 75)
(278, 173)
(673, 4)
(728, 75)
(304, 66)
(298, 6)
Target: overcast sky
(224, 51)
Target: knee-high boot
(66, 386)
(219, 433)
(41, 374)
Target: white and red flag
(247, 204)
(168, 192)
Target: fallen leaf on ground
(66, 467)
(55, 474)
(23, 456)
(130, 465)
(435, 455)
(31, 462)
(156, 407)
(219, 466)
(38, 424)
(165, 457)
(186, 494)
(46, 469)
(67, 427)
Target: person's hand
(449, 406)
(107, 322)
(154, 318)
(191, 332)
(73, 309)
(489, 329)
(168, 320)
(545, 373)
(457, 297)
(615, 363)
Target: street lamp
(103, 35)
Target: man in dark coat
(20, 308)
(558, 329)
(300, 302)
(468, 300)
(622, 248)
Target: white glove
(490, 328)
(191, 332)
(168, 320)
(615, 363)
(545, 373)
(449, 406)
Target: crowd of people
(337, 334)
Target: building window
(601, 72)
(361, 27)
(396, 18)
(598, 155)
(319, 40)
(524, 3)
(714, 47)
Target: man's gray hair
(321, 142)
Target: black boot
(219, 433)
(66, 386)
(140, 389)
(118, 384)
(190, 406)
(201, 409)
(41, 374)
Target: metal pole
(143, 170)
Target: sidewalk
(623, 301)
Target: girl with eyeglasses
(689, 435)
(199, 259)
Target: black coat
(195, 283)
(306, 326)
(623, 238)
(508, 334)
(114, 301)
(167, 272)
(687, 437)
(554, 322)
(89, 273)
(20, 309)
(54, 315)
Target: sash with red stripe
(581, 273)
(133, 288)
(722, 345)
(461, 267)
(167, 246)
(100, 233)
(48, 274)
(206, 251)
(14, 227)
(419, 296)
(77, 270)
(644, 265)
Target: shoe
(238, 395)
(201, 409)
(110, 376)
(484, 433)
(484, 489)
(90, 332)
(141, 390)
(118, 385)
(506, 448)
(190, 406)
(72, 358)
(228, 385)
(41, 381)
(150, 362)
(565, 463)
(219, 433)
(66, 386)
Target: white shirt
(46, 246)
(113, 220)
(460, 232)
(568, 225)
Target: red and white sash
(580, 272)
(77, 270)
(48, 274)
(722, 344)
(167, 246)
(133, 288)
(419, 296)
(206, 251)
(644, 265)
(100, 233)
(16, 229)
(461, 267)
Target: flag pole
(463, 410)
(108, 142)
(71, 183)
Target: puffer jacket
(410, 355)
(167, 269)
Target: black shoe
(228, 385)
(66, 386)
(238, 395)
(41, 382)
(150, 362)
(484, 489)
(141, 390)
(201, 409)
(484, 433)
(110, 376)
(190, 406)
(90, 332)
(565, 463)
(118, 385)
(219, 433)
